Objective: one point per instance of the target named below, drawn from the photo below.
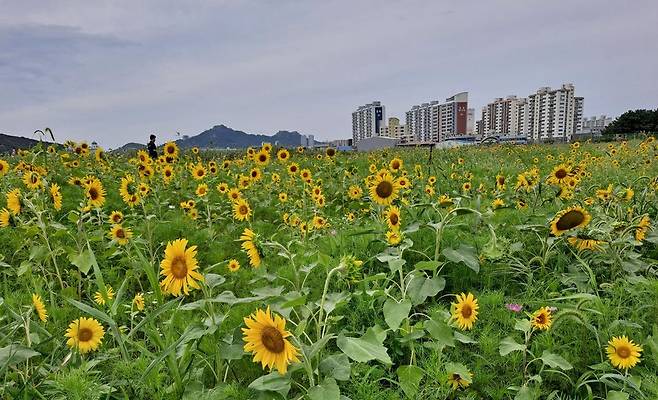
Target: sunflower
(393, 237)
(584, 243)
(248, 244)
(465, 311)
(293, 168)
(623, 353)
(233, 265)
(395, 164)
(319, 222)
(56, 196)
(500, 182)
(568, 219)
(445, 200)
(4, 167)
(283, 155)
(241, 210)
(198, 171)
(170, 149)
(5, 216)
(604, 194)
(628, 194)
(179, 267)
(202, 190)
(457, 381)
(138, 301)
(255, 174)
(306, 175)
(120, 234)
(98, 296)
(167, 173)
(559, 175)
(497, 203)
(116, 217)
(542, 319)
(14, 203)
(222, 187)
(355, 192)
(466, 186)
(85, 334)
(384, 189)
(262, 158)
(642, 228)
(95, 193)
(39, 307)
(32, 180)
(393, 218)
(266, 338)
(283, 197)
(234, 194)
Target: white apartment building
(436, 122)
(505, 117)
(367, 121)
(395, 130)
(470, 121)
(595, 125)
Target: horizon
(116, 73)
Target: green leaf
(98, 314)
(459, 369)
(523, 325)
(464, 338)
(395, 313)
(396, 264)
(328, 390)
(366, 348)
(508, 345)
(652, 343)
(427, 265)
(555, 361)
(420, 287)
(441, 332)
(525, 393)
(463, 254)
(337, 366)
(273, 382)
(409, 377)
(615, 395)
(15, 354)
(82, 261)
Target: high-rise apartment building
(367, 121)
(548, 114)
(395, 130)
(436, 122)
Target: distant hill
(221, 136)
(8, 142)
(130, 147)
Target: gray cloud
(116, 71)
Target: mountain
(130, 147)
(221, 136)
(8, 142)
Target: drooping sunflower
(456, 381)
(241, 210)
(138, 301)
(445, 200)
(623, 353)
(248, 239)
(5, 217)
(95, 193)
(85, 334)
(179, 267)
(500, 182)
(233, 265)
(384, 189)
(266, 338)
(465, 311)
(642, 228)
(584, 243)
(14, 203)
(568, 219)
(120, 234)
(393, 219)
(393, 237)
(56, 196)
(39, 307)
(542, 319)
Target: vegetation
(634, 121)
(502, 272)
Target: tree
(634, 121)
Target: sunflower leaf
(409, 377)
(615, 395)
(463, 254)
(328, 390)
(395, 312)
(508, 345)
(366, 348)
(554, 360)
(15, 354)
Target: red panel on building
(462, 112)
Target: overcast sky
(115, 72)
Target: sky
(115, 71)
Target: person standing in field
(151, 147)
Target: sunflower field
(479, 272)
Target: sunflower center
(623, 352)
(121, 234)
(93, 193)
(560, 174)
(170, 150)
(394, 219)
(570, 220)
(467, 311)
(179, 268)
(243, 210)
(272, 340)
(34, 179)
(384, 189)
(85, 334)
(540, 319)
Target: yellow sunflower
(623, 353)
(248, 244)
(198, 171)
(395, 164)
(559, 175)
(179, 267)
(393, 218)
(201, 190)
(120, 234)
(393, 237)
(465, 311)
(170, 149)
(98, 297)
(95, 193)
(241, 210)
(266, 338)
(5, 216)
(233, 265)
(116, 217)
(39, 307)
(56, 196)
(456, 381)
(497, 203)
(14, 203)
(234, 194)
(85, 334)
(283, 155)
(4, 167)
(568, 219)
(32, 180)
(138, 301)
(384, 189)
(642, 228)
(584, 243)
(262, 158)
(542, 319)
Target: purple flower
(514, 307)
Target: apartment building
(505, 117)
(436, 122)
(395, 130)
(367, 121)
